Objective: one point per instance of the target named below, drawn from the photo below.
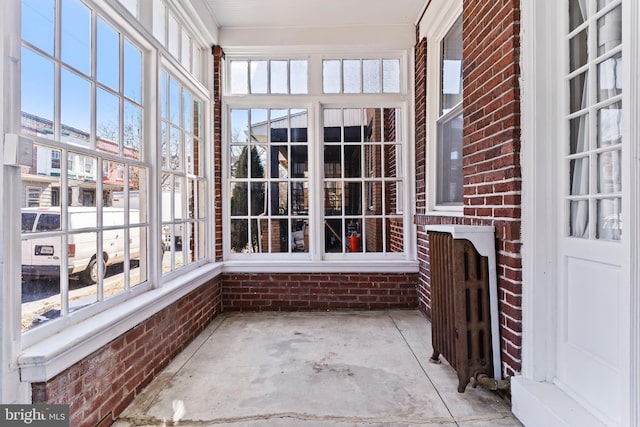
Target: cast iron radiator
(460, 312)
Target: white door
(593, 292)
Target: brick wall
(491, 155)
(218, 56)
(100, 387)
(318, 291)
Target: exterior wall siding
(100, 387)
(319, 291)
(491, 156)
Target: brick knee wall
(100, 387)
(319, 291)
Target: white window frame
(314, 102)
(438, 19)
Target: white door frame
(536, 400)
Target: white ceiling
(313, 13)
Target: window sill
(47, 358)
(329, 266)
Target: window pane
(259, 125)
(41, 261)
(239, 125)
(174, 102)
(75, 108)
(107, 121)
(609, 172)
(258, 198)
(239, 199)
(167, 190)
(188, 152)
(279, 77)
(38, 17)
(373, 161)
(333, 235)
(299, 120)
(258, 72)
(300, 198)
(164, 145)
(299, 162)
(610, 78)
(132, 72)
(299, 77)
(610, 30)
(353, 198)
(174, 36)
(332, 198)
(395, 235)
(392, 161)
(108, 57)
(138, 253)
(187, 121)
(331, 76)
(578, 134)
(239, 236)
(175, 149)
(279, 199)
(449, 184)
(451, 84)
(371, 75)
(185, 51)
(579, 219)
(610, 125)
(578, 92)
(352, 76)
(239, 77)
(132, 130)
(373, 198)
(578, 49)
(279, 162)
(579, 176)
(76, 35)
(159, 12)
(391, 76)
(352, 161)
(609, 219)
(577, 13)
(373, 235)
(37, 92)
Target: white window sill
(452, 212)
(47, 358)
(333, 266)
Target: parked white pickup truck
(42, 256)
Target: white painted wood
(294, 13)
(576, 293)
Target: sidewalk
(313, 369)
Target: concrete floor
(313, 369)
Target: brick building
(306, 165)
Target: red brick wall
(218, 55)
(491, 156)
(318, 291)
(100, 387)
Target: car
(42, 248)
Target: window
(268, 77)
(361, 76)
(595, 119)
(320, 181)
(61, 97)
(172, 34)
(449, 188)
(87, 208)
(183, 182)
(362, 180)
(269, 181)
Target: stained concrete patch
(325, 369)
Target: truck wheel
(90, 275)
